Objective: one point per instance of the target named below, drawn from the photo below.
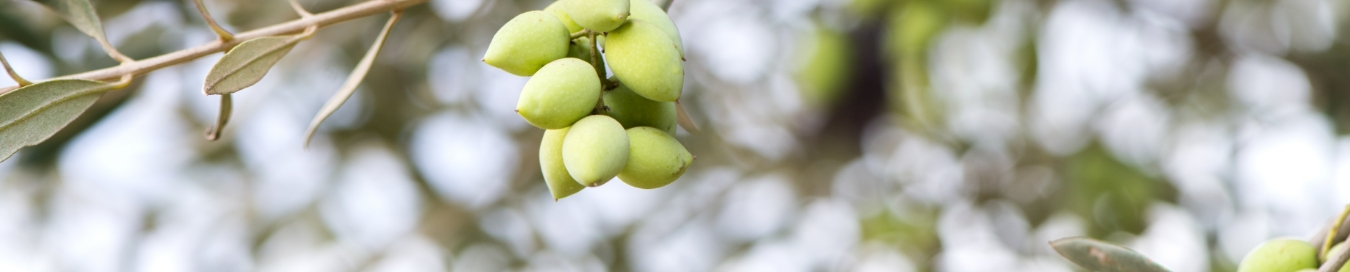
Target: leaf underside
(1095, 255)
(31, 114)
(79, 13)
(353, 80)
(247, 63)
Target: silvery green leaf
(247, 63)
(80, 13)
(353, 80)
(33, 113)
(1099, 256)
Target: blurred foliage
(862, 102)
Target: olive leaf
(1095, 255)
(33, 113)
(353, 80)
(247, 63)
(80, 13)
(226, 107)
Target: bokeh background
(837, 135)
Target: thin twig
(599, 71)
(13, 74)
(210, 21)
(300, 9)
(1335, 264)
(580, 33)
(144, 66)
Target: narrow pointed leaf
(80, 13)
(1099, 256)
(247, 63)
(33, 113)
(353, 80)
(226, 107)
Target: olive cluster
(598, 128)
(1286, 254)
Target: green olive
(560, 183)
(597, 15)
(580, 49)
(527, 42)
(645, 10)
(557, 10)
(1280, 255)
(563, 92)
(595, 150)
(655, 159)
(633, 110)
(643, 58)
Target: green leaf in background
(1099, 256)
(247, 63)
(31, 114)
(80, 13)
(353, 80)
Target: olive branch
(33, 111)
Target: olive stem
(579, 34)
(599, 71)
(210, 21)
(140, 67)
(299, 9)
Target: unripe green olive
(580, 48)
(560, 183)
(563, 92)
(527, 42)
(655, 159)
(557, 10)
(597, 15)
(1280, 255)
(595, 150)
(633, 110)
(647, 11)
(643, 58)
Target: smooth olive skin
(527, 42)
(563, 92)
(633, 110)
(557, 10)
(595, 150)
(1280, 255)
(643, 58)
(580, 49)
(655, 159)
(645, 10)
(560, 183)
(597, 15)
